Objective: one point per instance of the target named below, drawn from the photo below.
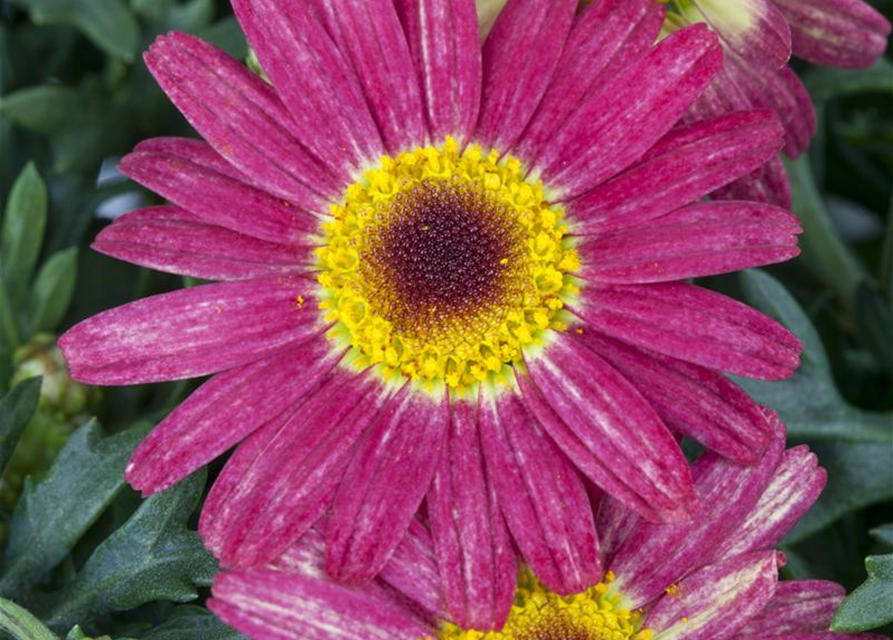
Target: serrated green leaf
(809, 403)
(871, 605)
(53, 514)
(152, 557)
(193, 623)
(109, 24)
(21, 623)
(53, 289)
(860, 474)
(16, 409)
(22, 234)
(884, 534)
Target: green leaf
(109, 24)
(809, 403)
(53, 515)
(47, 109)
(826, 83)
(53, 289)
(869, 606)
(152, 557)
(884, 534)
(21, 624)
(22, 233)
(193, 623)
(16, 409)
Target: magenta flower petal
(519, 58)
(798, 605)
(608, 430)
(702, 239)
(219, 199)
(171, 239)
(695, 325)
(718, 600)
(542, 497)
(208, 423)
(794, 488)
(767, 184)
(687, 163)
(443, 40)
(412, 569)
(248, 124)
(370, 36)
(754, 29)
(273, 605)
(191, 332)
(474, 552)
(194, 151)
(608, 36)
(596, 143)
(384, 485)
(329, 113)
(697, 402)
(836, 33)
(652, 557)
(283, 478)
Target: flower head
(449, 271)
(715, 578)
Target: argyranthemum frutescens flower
(712, 579)
(435, 253)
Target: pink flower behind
(446, 270)
(715, 578)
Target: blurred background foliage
(81, 548)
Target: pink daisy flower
(447, 270)
(712, 579)
(758, 37)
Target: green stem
(828, 257)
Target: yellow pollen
(441, 265)
(539, 614)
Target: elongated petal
(412, 570)
(695, 325)
(272, 605)
(794, 488)
(519, 59)
(798, 606)
(684, 166)
(608, 36)
(224, 410)
(608, 430)
(541, 495)
(694, 401)
(192, 332)
(195, 151)
(316, 83)
(836, 33)
(716, 601)
(241, 117)
(443, 40)
(767, 184)
(653, 557)
(633, 111)
(474, 553)
(282, 479)
(370, 36)
(173, 240)
(755, 29)
(219, 199)
(384, 485)
(702, 239)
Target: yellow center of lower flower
(441, 264)
(539, 614)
